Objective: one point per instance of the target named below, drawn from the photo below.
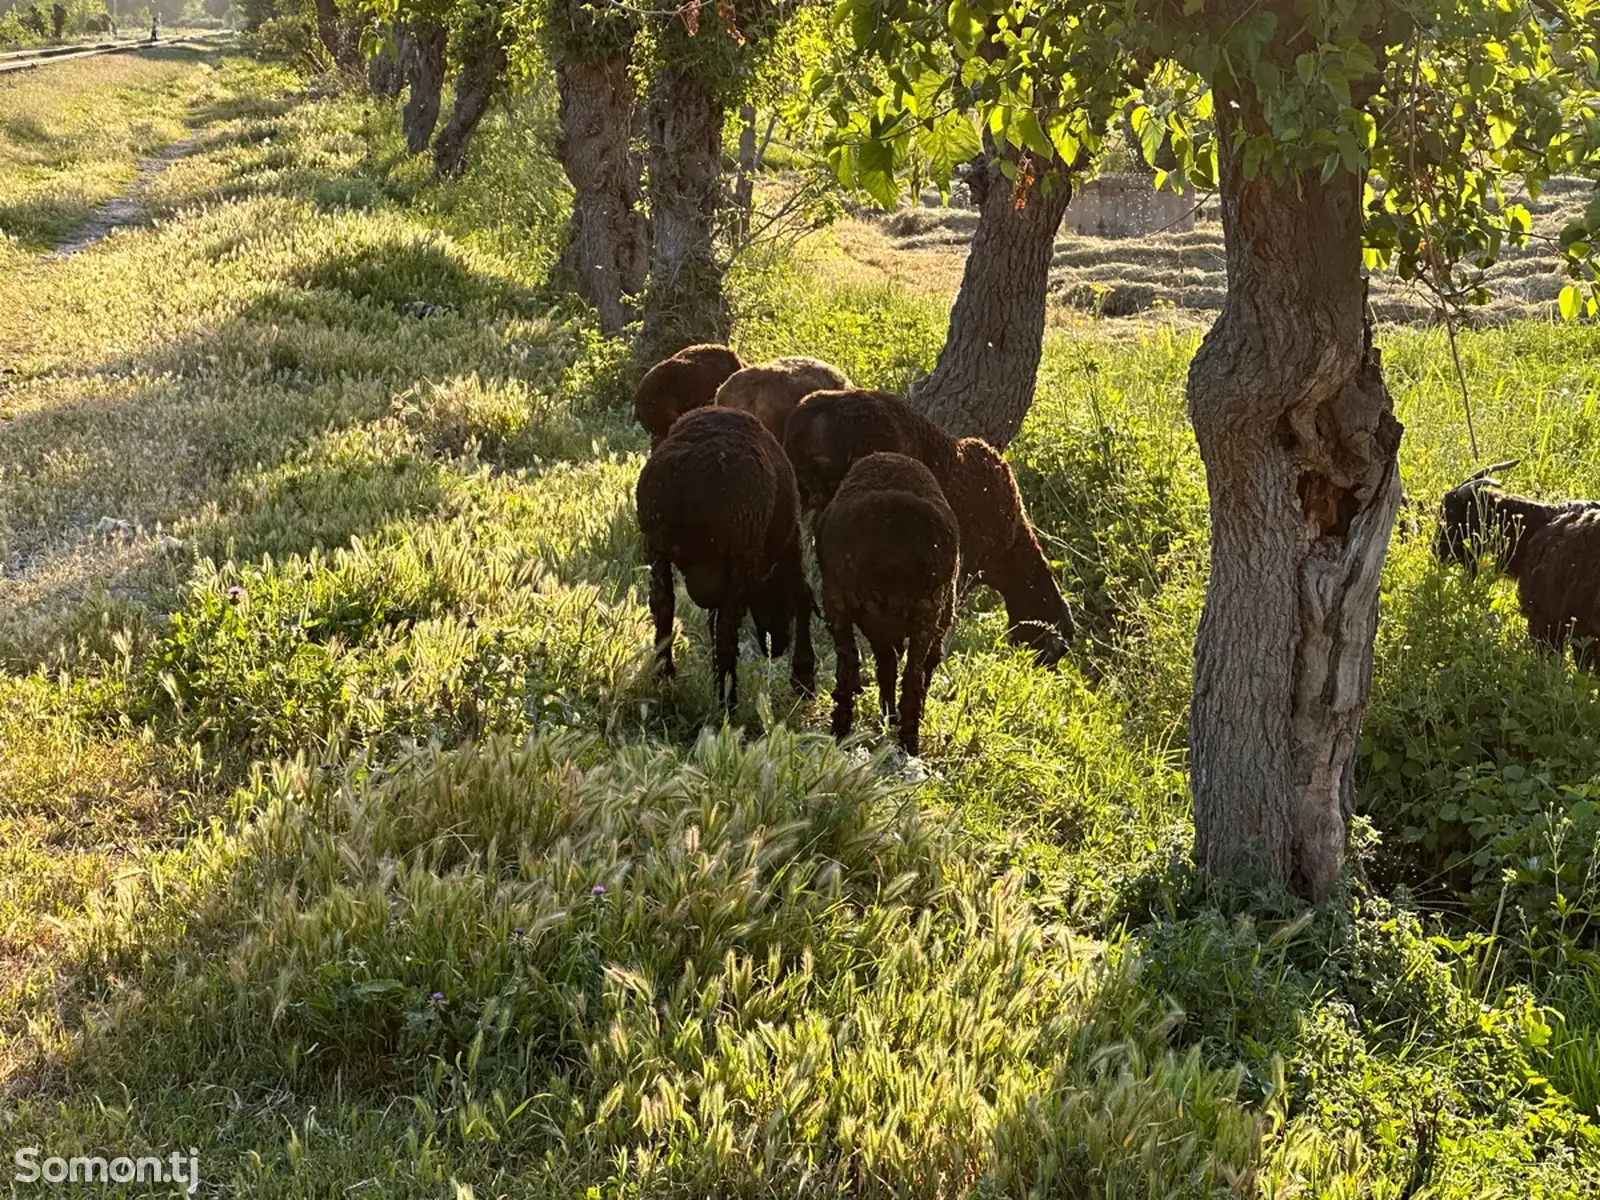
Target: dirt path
(125, 210)
(45, 56)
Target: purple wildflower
(437, 997)
(598, 889)
(235, 594)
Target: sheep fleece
(686, 381)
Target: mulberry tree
(1340, 135)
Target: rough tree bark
(1299, 439)
(422, 47)
(482, 67)
(982, 385)
(342, 43)
(685, 303)
(609, 250)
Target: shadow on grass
(27, 130)
(544, 923)
(401, 273)
(42, 222)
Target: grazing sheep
(831, 430)
(1551, 550)
(676, 385)
(771, 390)
(717, 500)
(887, 545)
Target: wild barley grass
(350, 836)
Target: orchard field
(347, 835)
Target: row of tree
(627, 75)
(58, 20)
(1341, 136)
(669, 78)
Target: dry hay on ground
(1182, 276)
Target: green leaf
(1147, 128)
(875, 172)
(1570, 300)
(1253, 154)
(863, 21)
(1501, 129)
(965, 29)
(1025, 133)
(1348, 153)
(926, 91)
(1063, 140)
(950, 140)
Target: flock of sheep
(904, 513)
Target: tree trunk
(983, 383)
(384, 75)
(685, 303)
(482, 66)
(609, 251)
(744, 188)
(1299, 439)
(422, 59)
(342, 43)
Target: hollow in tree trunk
(422, 60)
(609, 250)
(982, 385)
(1299, 439)
(483, 64)
(684, 303)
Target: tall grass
(342, 810)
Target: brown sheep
(717, 499)
(831, 430)
(1551, 550)
(676, 385)
(770, 390)
(887, 545)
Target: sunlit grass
(329, 708)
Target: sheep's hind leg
(886, 663)
(847, 679)
(726, 621)
(803, 658)
(923, 650)
(662, 604)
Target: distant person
(155, 27)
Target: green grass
(71, 135)
(349, 837)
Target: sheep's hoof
(804, 683)
(667, 671)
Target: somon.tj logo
(175, 1168)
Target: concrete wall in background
(1127, 206)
